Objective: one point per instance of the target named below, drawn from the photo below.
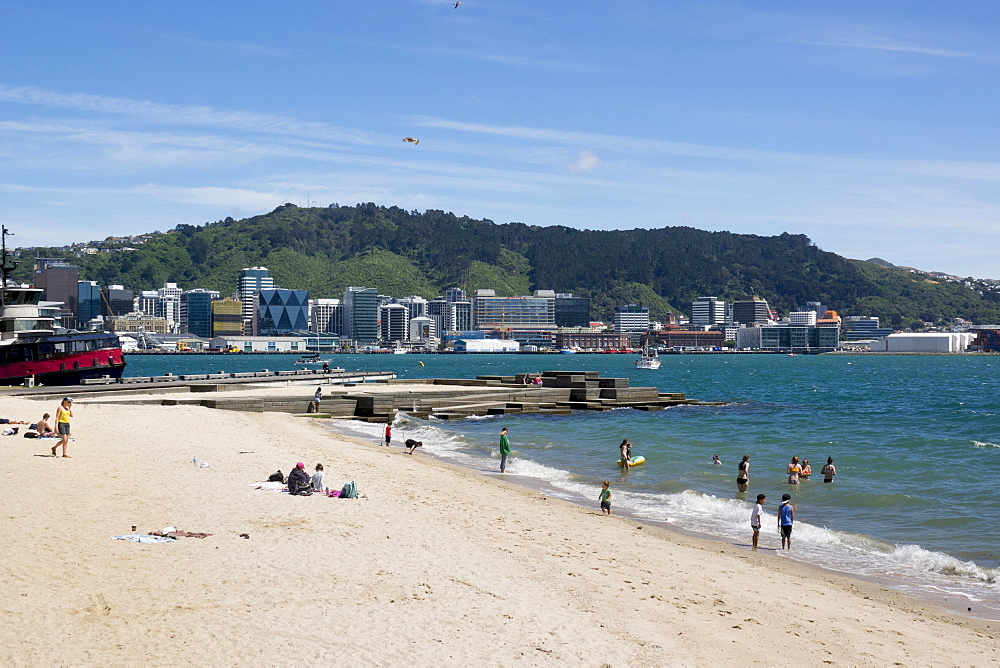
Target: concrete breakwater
(556, 392)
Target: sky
(871, 127)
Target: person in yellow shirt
(63, 415)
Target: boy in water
(606, 497)
(786, 515)
(755, 515)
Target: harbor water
(915, 439)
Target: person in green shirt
(606, 497)
(504, 449)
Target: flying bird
(457, 4)
(411, 140)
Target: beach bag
(30, 434)
(276, 477)
(349, 491)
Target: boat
(649, 360)
(399, 350)
(567, 351)
(311, 359)
(32, 351)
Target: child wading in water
(606, 497)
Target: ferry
(30, 349)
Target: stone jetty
(554, 393)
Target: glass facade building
(282, 311)
(572, 311)
(227, 317)
(88, 298)
(361, 314)
(196, 307)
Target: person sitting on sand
(317, 479)
(44, 429)
(298, 480)
(412, 445)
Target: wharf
(379, 396)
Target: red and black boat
(30, 347)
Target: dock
(378, 396)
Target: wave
(985, 444)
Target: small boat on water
(649, 360)
(312, 359)
(567, 351)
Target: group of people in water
(797, 470)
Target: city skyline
(868, 128)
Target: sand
(438, 565)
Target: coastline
(438, 564)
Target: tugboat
(30, 348)
(649, 360)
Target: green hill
(323, 250)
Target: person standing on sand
(504, 449)
(605, 497)
(786, 516)
(743, 474)
(63, 415)
(755, 515)
(388, 432)
(317, 397)
(829, 470)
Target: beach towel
(143, 538)
(270, 486)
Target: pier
(379, 396)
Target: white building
(324, 316)
(933, 342)
(708, 311)
(802, 318)
(260, 344)
(487, 346)
(632, 318)
(250, 282)
(423, 328)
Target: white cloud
(585, 162)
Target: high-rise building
(461, 316)
(455, 295)
(227, 317)
(394, 321)
(168, 305)
(196, 312)
(632, 318)
(750, 312)
(572, 311)
(88, 300)
(117, 301)
(416, 305)
(58, 281)
(326, 316)
(148, 302)
(422, 328)
(250, 282)
(361, 314)
(281, 311)
(708, 311)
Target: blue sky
(871, 127)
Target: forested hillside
(402, 253)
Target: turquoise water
(916, 442)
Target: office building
(88, 303)
(529, 319)
(423, 328)
(58, 281)
(168, 305)
(789, 338)
(280, 311)
(361, 314)
(860, 328)
(455, 295)
(802, 318)
(417, 306)
(325, 316)
(116, 300)
(139, 322)
(394, 322)
(572, 311)
(196, 312)
(632, 318)
(227, 317)
(708, 312)
(250, 281)
(751, 312)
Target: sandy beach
(437, 565)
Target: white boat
(649, 360)
(399, 351)
(312, 359)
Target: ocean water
(916, 442)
